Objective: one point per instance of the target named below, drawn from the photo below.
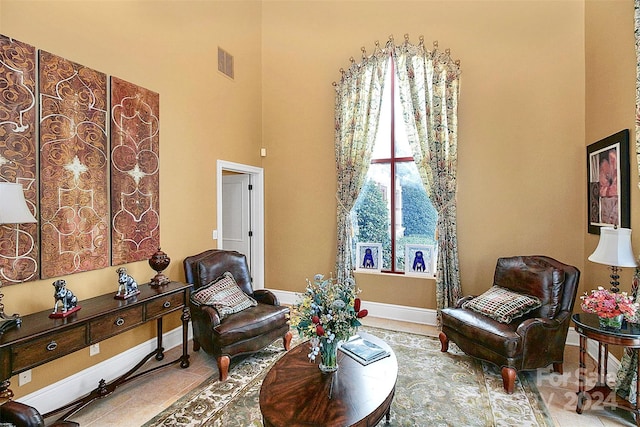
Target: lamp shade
(13, 206)
(614, 248)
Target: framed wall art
(135, 172)
(608, 182)
(19, 245)
(74, 167)
(369, 257)
(419, 260)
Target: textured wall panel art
(135, 179)
(74, 199)
(18, 243)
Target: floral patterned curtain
(357, 111)
(627, 377)
(429, 82)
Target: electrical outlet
(94, 349)
(24, 377)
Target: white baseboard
(376, 309)
(428, 317)
(75, 386)
(78, 385)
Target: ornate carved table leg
(159, 348)
(186, 317)
(5, 391)
(581, 374)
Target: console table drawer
(164, 305)
(111, 325)
(47, 348)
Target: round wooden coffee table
(295, 392)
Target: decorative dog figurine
(63, 298)
(127, 286)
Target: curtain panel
(626, 377)
(357, 112)
(429, 87)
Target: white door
(236, 213)
(251, 205)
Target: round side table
(588, 327)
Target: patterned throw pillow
(502, 304)
(224, 295)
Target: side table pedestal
(588, 327)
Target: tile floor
(138, 401)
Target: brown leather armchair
(536, 339)
(247, 331)
(20, 415)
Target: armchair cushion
(224, 295)
(534, 276)
(502, 304)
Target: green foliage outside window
(373, 219)
(419, 219)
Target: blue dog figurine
(127, 286)
(63, 297)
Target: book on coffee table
(363, 350)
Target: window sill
(394, 275)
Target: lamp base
(614, 279)
(8, 322)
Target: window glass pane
(402, 147)
(373, 211)
(416, 218)
(382, 147)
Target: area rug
(433, 389)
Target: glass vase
(611, 323)
(328, 355)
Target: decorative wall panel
(74, 199)
(18, 243)
(135, 179)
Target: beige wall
(522, 123)
(610, 106)
(169, 47)
(521, 135)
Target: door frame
(256, 217)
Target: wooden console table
(40, 339)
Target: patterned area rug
(433, 389)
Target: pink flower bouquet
(607, 304)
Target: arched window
(427, 84)
(393, 207)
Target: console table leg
(160, 350)
(186, 317)
(5, 391)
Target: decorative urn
(159, 261)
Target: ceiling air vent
(225, 63)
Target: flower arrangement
(607, 304)
(328, 312)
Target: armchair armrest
(463, 300)
(265, 296)
(211, 313)
(536, 323)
